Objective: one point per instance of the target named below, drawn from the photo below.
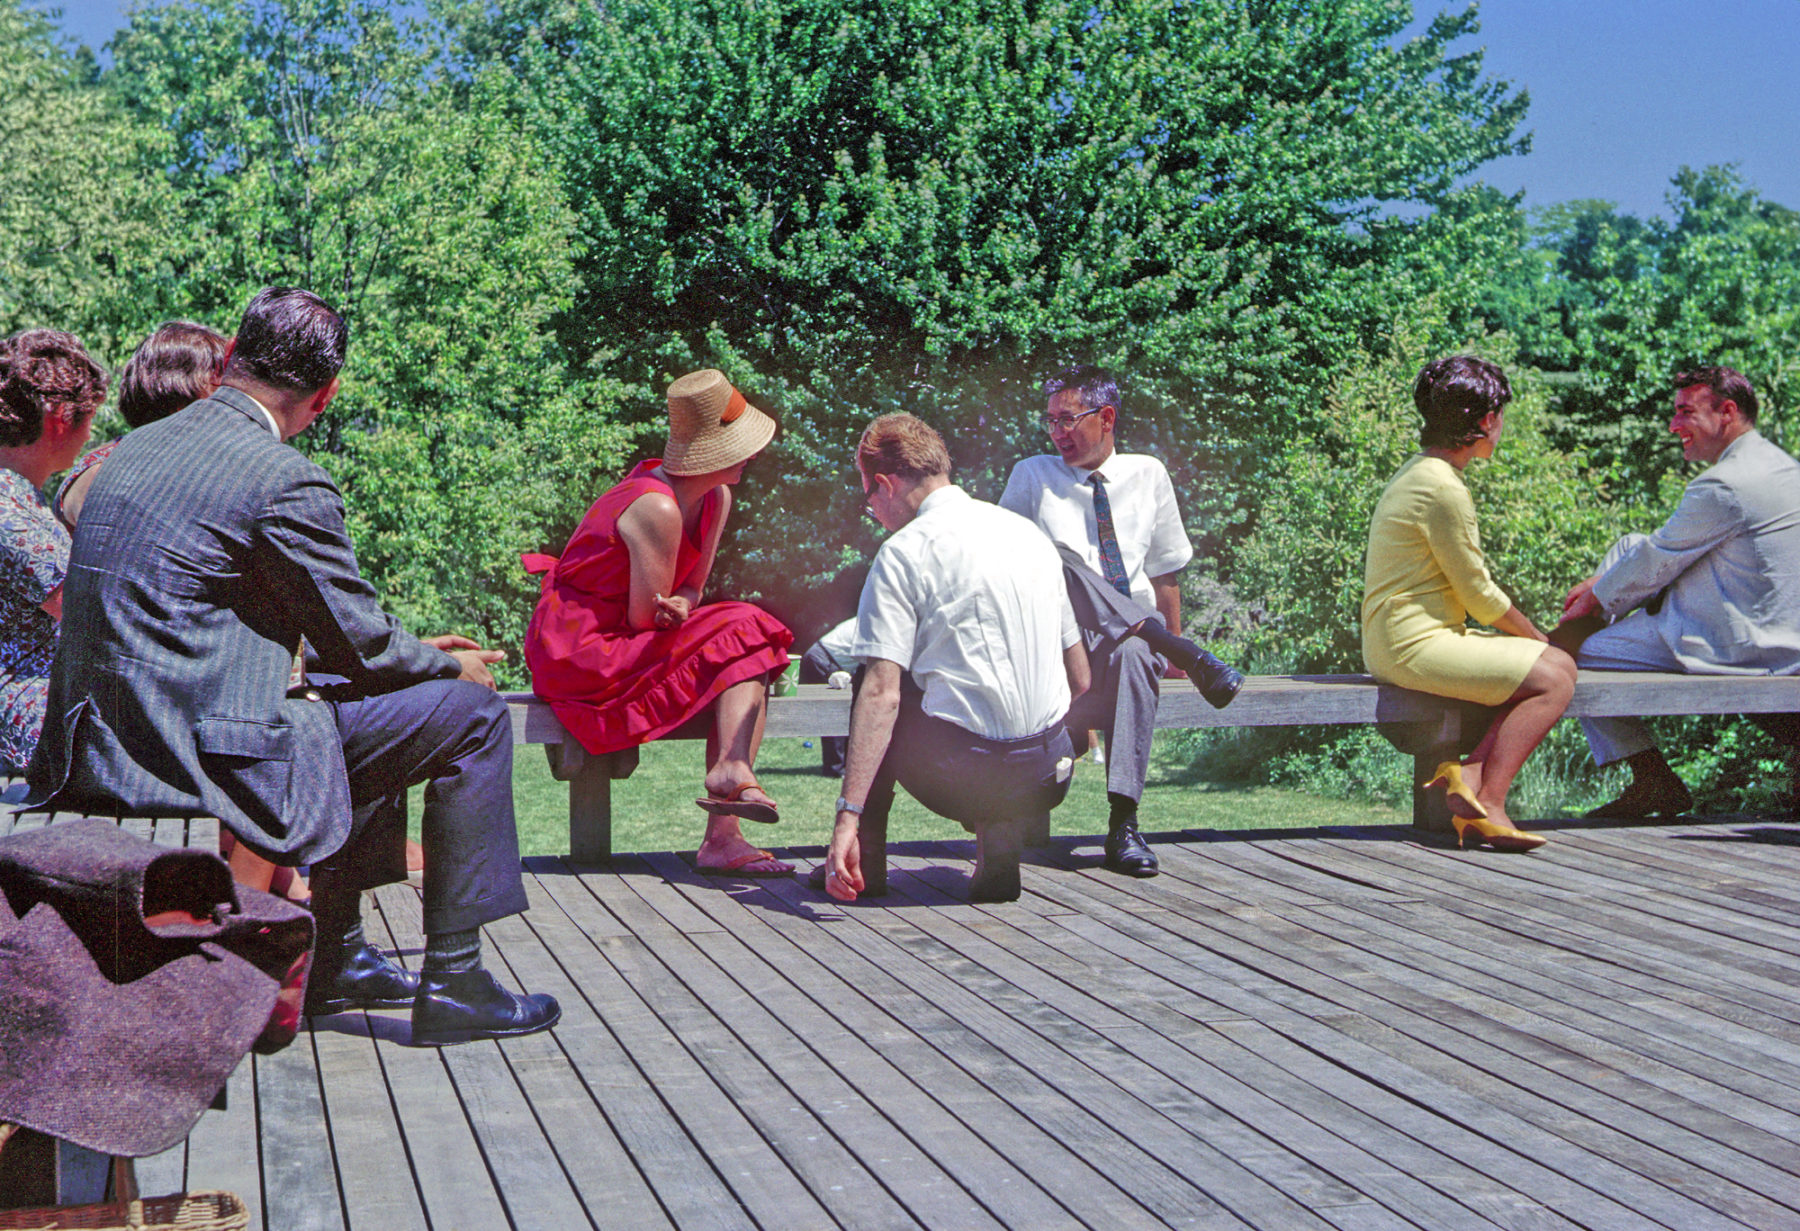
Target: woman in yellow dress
(1424, 575)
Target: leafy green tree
(1544, 522)
(75, 222)
(312, 142)
(1620, 303)
(856, 208)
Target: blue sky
(1623, 92)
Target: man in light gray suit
(1715, 591)
(212, 561)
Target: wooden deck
(1310, 1029)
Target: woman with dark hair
(621, 645)
(49, 390)
(1425, 574)
(177, 365)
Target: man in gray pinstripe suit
(211, 555)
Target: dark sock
(1178, 650)
(1121, 808)
(451, 953)
(337, 921)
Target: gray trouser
(1121, 701)
(1630, 643)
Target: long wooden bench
(1429, 728)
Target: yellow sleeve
(1456, 545)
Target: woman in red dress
(621, 645)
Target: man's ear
(323, 397)
(1109, 417)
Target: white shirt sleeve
(1169, 548)
(1071, 631)
(887, 621)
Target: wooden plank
(845, 986)
(599, 1167)
(1076, 1106)
(765, 1072)
(1658, 1160)
(1566, 914)
(1169, 1047)
(1567, 1180)
(1609, 999)
(161, 1174)
(169, 831)
(375, 1174)
(300, 1186)
(222, 1149)
(1442, 1004)
(689, 1144)
(590, 810)
(858, 1045)
(203, 833)
(525, 1175)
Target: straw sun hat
(711, 426)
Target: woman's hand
(1518, 624)
(671, 611)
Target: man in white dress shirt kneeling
(1714, 591)
(971, 661)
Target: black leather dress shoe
(468, 1005)
(1217, 681)
(363, 978)
(1127, 853)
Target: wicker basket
(204, 1211)
(201, 1211)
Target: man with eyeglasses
(971, 656)
(1114, 519)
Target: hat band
(734, 407)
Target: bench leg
(590, 812)
(1429, 813)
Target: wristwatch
(845, 805)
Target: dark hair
(1454, 395)
(902, 445)
(289, 339)
(1097, 386)
(174, 366)
(1727, 385)
(45, 372)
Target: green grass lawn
(654, 810)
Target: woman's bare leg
(738, 718)
(1520, 727)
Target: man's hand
(671, 611)
(1581, 601)
(470, 657)
(843, 863)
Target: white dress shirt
(1059, 498)
(970, 599)
(1727, 564)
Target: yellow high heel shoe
(1457, 795)
(1500, 837)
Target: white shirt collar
(1101, 470)
(948, 494)
(269, 418)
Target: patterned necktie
(1112, 563)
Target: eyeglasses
(1066, 423)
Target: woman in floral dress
(49, 390)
